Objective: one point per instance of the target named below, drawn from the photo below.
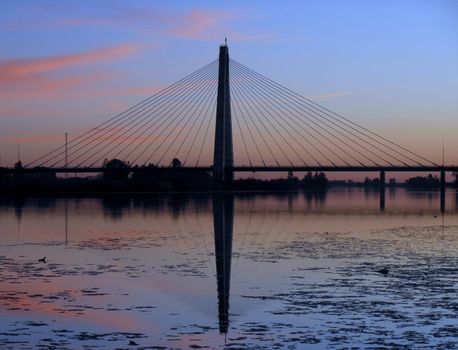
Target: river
(237, 271)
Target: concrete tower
(223, 158)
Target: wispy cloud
(12, 70)
(39, 76)
(196, 24)
(45, 86)
(200, 24)
(39, 138)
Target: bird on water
(43, 260)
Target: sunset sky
(391, 66)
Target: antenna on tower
(18, 152)
(225, 41)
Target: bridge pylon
(223, 157)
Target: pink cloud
(195, 24)
(38, 76)
(201, 23)
(113, 133)
(34, 138)
(12, 70)
(46, 86)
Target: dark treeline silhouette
(317, 181)
(122, 177)
(429, 181)
(416, 182)
(367, 183)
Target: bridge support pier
(442, 191)
(382, 190)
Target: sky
(391, 66)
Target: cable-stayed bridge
(260, 125)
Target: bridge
(260, 126)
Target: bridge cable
(272, 115)
(308, 102)
(324, 145)
(171, 101)
(204, 98)
(327, 131)
(172, 110)
(195, 74)
(249, 130)
(360, 145)
(275, 95)
(245, 89)
(205, 114)
(213, 112)
(119, 115)
(309, 111)
(152, 125)
(189, 101)
(242, 101)
(258, 92)
(269, 100)
(233, 110)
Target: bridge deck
(447, 168)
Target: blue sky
(389, 65)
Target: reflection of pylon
(223, 219)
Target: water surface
(291, 270)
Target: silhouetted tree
(375, 182)
(176, 163)
(318, 181)
(429, 181)
(116, 165)
(308, 180)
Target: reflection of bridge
(223, 221)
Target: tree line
(127, 178)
